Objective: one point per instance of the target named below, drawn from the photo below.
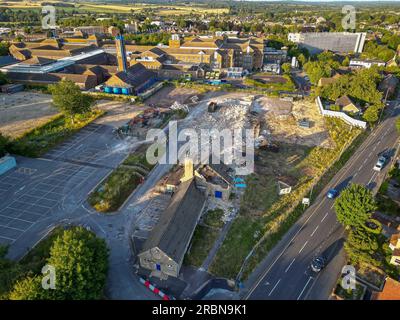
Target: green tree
(80, 261)
(9, 272)
(4, 48)
(29, 288)
(371, 115)
(317, 70)
(3, 78)
(354, 206)
(346, 62)
(302, 59)
(286, 67)
(362, 246)
(4, 141)
(68, 98)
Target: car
(332, 193)
(380, 163)
(318, 263)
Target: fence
(338, 114)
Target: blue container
(125, 91)
(117, 90)
(7, 163)
(108, 90)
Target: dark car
(317, 264)
(332, 193)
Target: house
(347, 105)
(215, 179)
(395, 241)
(394, 245)
(395, 259)
(164, 250)
(366, 63)
(391, 291)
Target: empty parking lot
(55, 186)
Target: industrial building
(338, 42)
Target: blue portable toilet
(108, 90)
(117, 90)
(125, 91)
(218, 194)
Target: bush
(4, 143)
(80, 260)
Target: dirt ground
(118, 113)
(284, 127)
(169, 94)
(22, 111)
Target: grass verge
(202, 242)
(38, 141)
(119, 185)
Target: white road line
(314, 231)
(303, 246)
(325, 216)
(309, 279)
(7, 238)
(290, 265)
(373, 176)
(274, 287)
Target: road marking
(290, 265)
(373, 176)
(314, 231)
(274, 287)
(325, 216)
(309, 279)
(303, 246)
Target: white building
(340, 42)
(359, 63)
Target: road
(285, 273)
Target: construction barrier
(157, 291)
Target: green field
(161, 10)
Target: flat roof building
(338, 42)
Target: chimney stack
(121, 53)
